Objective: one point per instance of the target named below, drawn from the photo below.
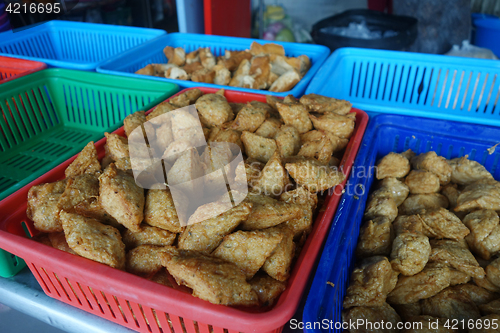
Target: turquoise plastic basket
(425, 85)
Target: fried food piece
(395, 189)
(193, 57)
(214, 158)
(482, 194)
(175, 56)
(249, 119)
(132, 121)
(160, 211)
(278, 264)
(203, 75)
(323, 104)
(226, 135)
(86, 162)
(267, 289)
(121, 197)
(341, 126)
(186, 98)
(488, 325)
(272, 101)
(408, 311)
(117, 145)
(248, 249)
(457, 256)
(186, 174)
(451, 304)
(253, 170)
(241, 77)
(422, 182)
(370, 283)
(212, 279)
(164, 278)
(214, 109)
(207, 59)
(486, 284)
(260, 68)
(144, 260)
(194, 67)
(42, 206)
(295, 115)
(451, 192)
(232, 59)
(268, 212)
(176, 73)
(148, 236)
(492, 307)
(265, 108)
(410, 253)
(393, 165)
(268, 48)
(411, 289)
(269, 128)
(484, 237)
(258, 147)
(477, 294)
(371, 316)
(418, 203)
(148, 70)
(456, 276)
(466, 172)
(409, 223)
(205, 236)
(58, 241)
(313, 175)
(493, 272)
(288, 141)
(285, 82)
(308, 202)
(375, 238)
(321, 150)
(280, 66)
(273, 179)
(431, 162)
(162, 108)
(290, 99)
(441, 223)
(380, 205)
(93, 240)
(222, 75)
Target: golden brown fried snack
(268, 48)
(492, 307)
(422, 182)
(132, 121)
(248, 249)
(266, 288)
(295, 115)
(393, 165)
(411, 289)
(272, 100)
(214, 109)
(148, 70)
(323, 104)
(321, 150)
(164, 278)
(418, 203)
(409, 223)
(395, 189)
(252, 171)
(484, 237)
(121, 197)
(493, 272)
(58, 241)
(162, 108)
(341, 126)
(148, 236)
(465, 171)
(260, 69)
(381, 205)
(160, 212)
(482, 194)
(144, 260)
(186, 98)
(249, 119)
(176, 56)
(258, 147)
(441, 223)
(273, 179)
(211, 279)
(117, 146)
(477, 294)
(203, 75)
(176, 73)
(314, 135)
(269, 128)
(410, 253)
(375, 238)
(94, 240)
(288, 141)
(286, 81)
(371, 316)
(453, 253)
(42, 206)
(278, 264)
(486, 284)
(232, 59)
(313, 175)
(268, 212)
(407, 311)
(308, 202)
(86, 162)
(371, 281)
(207, 59)
(431, 162)
(222, 75)
(205, 236)
(226, 135)
(193, 67)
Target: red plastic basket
(12, 68)
(146, 306)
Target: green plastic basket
(49, 116)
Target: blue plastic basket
(385, 133)
(152, 52)
(423, 85)
(73, 45)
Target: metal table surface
(23, 293)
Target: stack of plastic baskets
(152, 52)
(385, 133)
(425, 85)
(73, 45)
(12, 68)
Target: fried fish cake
(457, 256)
(288, 141)
(431, 162)
(211, 279)
(477, 294)
(369, 316)
(117, 146)
(121, 197)
(148, 236)
(375, 238)
(268, 212)
(381, 205)
(94, 240)
(409, 223)
(144, 260)
(323, 104)
(410, 253)
(321, 150)
(249, 118)
(278, 264)
(205, 236)
(258, 147)
(248, 249)
(295, 115)
(492, 307)
(269, 128)
(422, 182)
(86, 162)
(267, 289)
(58, 241)
(313, 175)
(132, 121)
(160, 211)
(393, 165)
(42, 206)
(162, 108)
(441, 223)
(417, 203)
(273, 179)
(339, 125)
(214, 109)
(465, 171)
(186, 98)
(307, 201)
(395, 189)
(482, 194)
(484, 237)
